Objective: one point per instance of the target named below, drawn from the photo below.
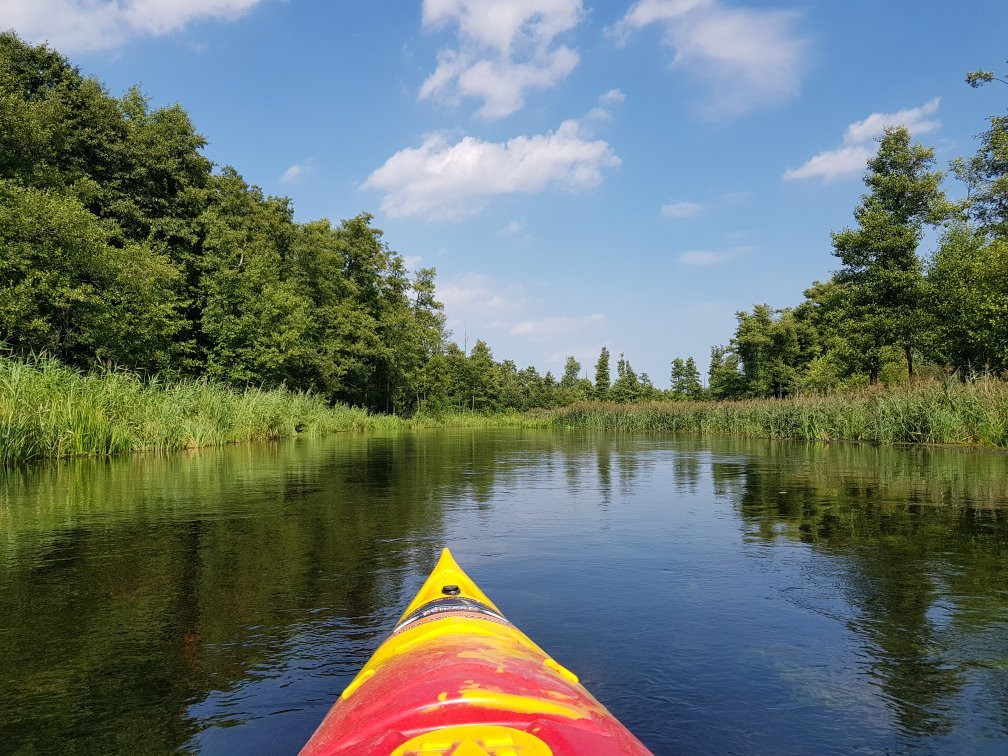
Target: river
(716, 594)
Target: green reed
(49, 410)
(947, 412)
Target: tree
(774, 347)
(880, 263)
(692, 386)
(65, 290)
(724, 379)
(627, 387)
(602, 380)
(989, 203)
(980, 77)
(968, 286)
(484, 386)
(685, 379)
(254, 324)
(572, 370)
(648, 391)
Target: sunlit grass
(50, 410)
(535, 419)
(946, 412)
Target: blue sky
(580, 173)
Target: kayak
(456, 677)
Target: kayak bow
(455, 677)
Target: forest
(122, 247)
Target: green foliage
(121, 244)
(724, 377)
(927, 412)
(572, 372)
(627, 387)
(988, 202)
(774, 347)
(968, 287)
(50, 410)
(685, 379)
(602, 377)
(978, 78)
(881, 270)
(66, 290)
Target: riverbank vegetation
(172, 289)
(50, 410)
(932, 412)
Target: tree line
(122, 244)
(887, 314)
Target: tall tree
(774, 347)
(989, 203)
(484, 385)
(602, 379)
(66, 290)
(572, 370)
(685, 379)
(627, 387)
(879, 256)
(724, 378)
(968, 286)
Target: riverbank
(48, 410)
(925, 413)
(51, 411)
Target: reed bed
(48, 410)
(533, 419)
(946, 412)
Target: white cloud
(747, 57)
(601, 111)
(296, 171)
(558, 325)
(412, 262)
(442, 180)
(858, 143)
(612, 97)
(73, 26)
(505, 50)
(914, 119)
(704, 257)
(477, 292)
(513, 227)
(831, 164)
(681, 209)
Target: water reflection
(220, 600)
(926, 581)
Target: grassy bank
(48, 410)
(934, 412)
(536, 419)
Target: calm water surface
(716, 594)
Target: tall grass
(50, 410)
(534, 419)
(946, 412)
